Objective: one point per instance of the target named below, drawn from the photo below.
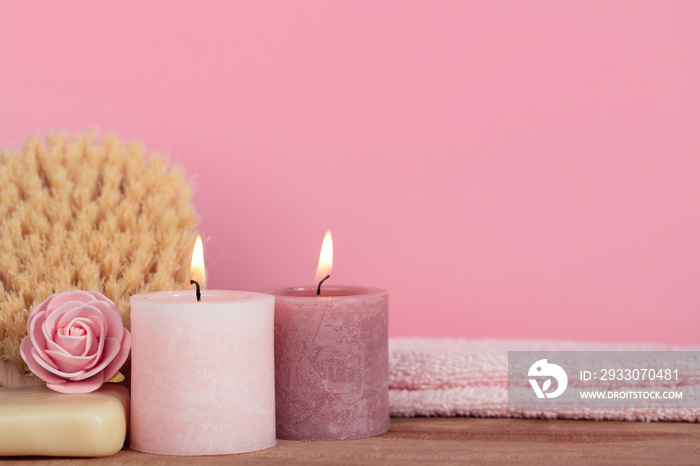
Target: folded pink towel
(459, 377)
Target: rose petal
(50, 323)
(70, 366)
(120, 358)
(56, 345)
(60, 299)
(111, 350)
(38, 338)
(27, 353)
(40, 309)
(81, 347)
(91, 344)
(92, 319)
(75, 346)
(99, 296)
(62, 316)
(35, 330)
(46, 334)
(113, 318)
(55, 356)
(98, 347)
(75, 323)
(96, 324)
(91, 355)
(52, 345)
(82, 386)
(55, 371)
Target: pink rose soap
(76, 341)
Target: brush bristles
(90, 214)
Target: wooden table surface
(466, 440)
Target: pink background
(505, 169)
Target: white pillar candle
(202, 372)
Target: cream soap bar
(40, 422)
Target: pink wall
(506, 169)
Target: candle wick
(199, 293)
(318, 292)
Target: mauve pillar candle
(331, 362)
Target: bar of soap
(37, 421)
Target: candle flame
(325, 261)
(197, 271)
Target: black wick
(199, 293)
(318, 292)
